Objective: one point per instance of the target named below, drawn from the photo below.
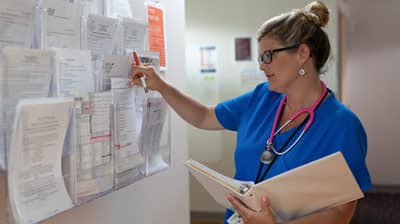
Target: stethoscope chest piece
(267, 156)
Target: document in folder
(321, 184)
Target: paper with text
(27, 74)
(114, 67)
(101, 34)
(154, 119)
(95, 7)
(17, 23)
(126, 131)
(74, 72)
(134, 34)
(118, 8)
(156, 31)
(62, 24)
(94, 156)
(35, 179)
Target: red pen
(141, 75)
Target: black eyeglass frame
(270, 52)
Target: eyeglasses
(266, 57)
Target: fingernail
(264, 199)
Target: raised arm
(195, 113)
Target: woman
(270, 139)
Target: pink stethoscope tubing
(309, 110)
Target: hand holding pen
(141, 75)
(146, 76)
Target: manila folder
(321, 184)
(218, 185)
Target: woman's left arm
(341, 214)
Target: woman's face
(281, 72)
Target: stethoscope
(270, 152)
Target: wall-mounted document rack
(72, 129)
(65, 152)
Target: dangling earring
(301, 72)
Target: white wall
(217, 23)
(372, 81)
(149, 201)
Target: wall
(217, 23)
(149, 201)
(371, 79)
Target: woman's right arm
(195, 113)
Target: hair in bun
(318, 13)
(302, 26)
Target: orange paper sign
(156, 33)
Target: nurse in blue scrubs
(274, 134)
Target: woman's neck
(304, 95)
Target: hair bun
(317, 12)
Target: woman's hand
(153, 79)
(249, 216)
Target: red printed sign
(155, 17)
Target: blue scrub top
(335, 128)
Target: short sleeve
(230, 112)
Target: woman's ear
(304, 53)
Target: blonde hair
(302, 26)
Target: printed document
(118, 8)
(101, 34)
(154, 119)
(126, 130)
(62, 24)
(93, 157)
(27, 74)
(74, 72)
(324, 183)
(134, 34)
(114, 67)
(100, 120)
(156, 31)
(35, 179)
(16, 23)
(150, 57)
(94, 7)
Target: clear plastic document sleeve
(127, 156)
(17, 21)
(61, 24)
(35, 179)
